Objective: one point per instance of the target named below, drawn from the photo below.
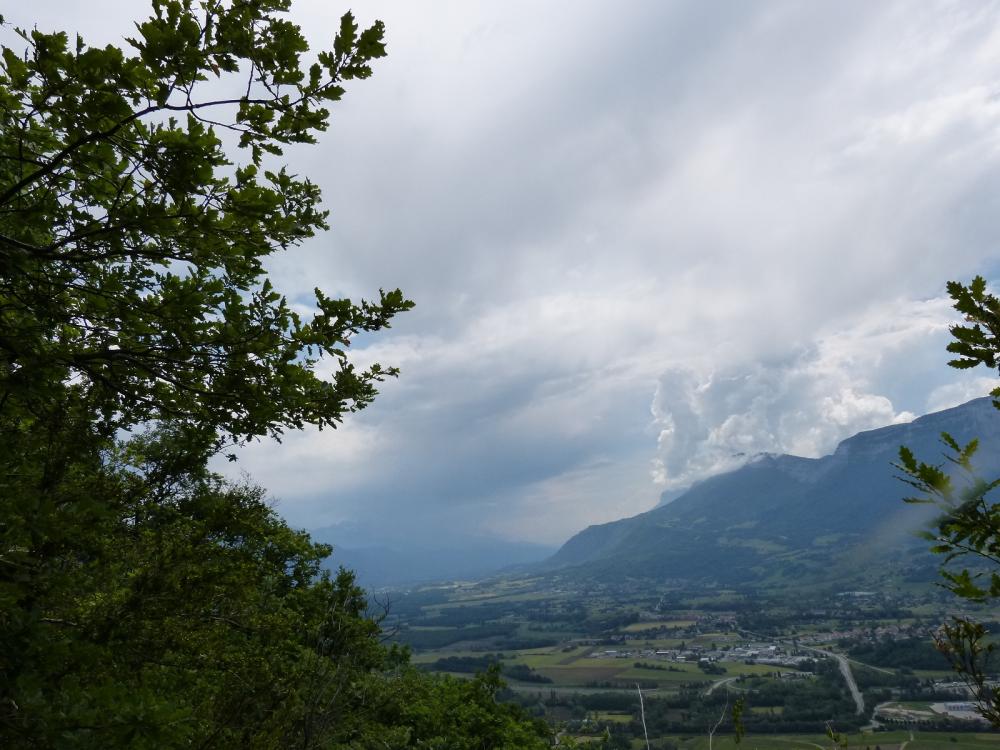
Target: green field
(638, 627)
(620, 620)
(576, 667)
(883, 740)
(613, 716)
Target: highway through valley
(845, 670)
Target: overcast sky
(644, 239)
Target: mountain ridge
(782, 516)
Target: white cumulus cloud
(715, 418)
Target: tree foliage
(132, 241)
(968, 530)
(182, 610)
(184, 613)
(146, 602)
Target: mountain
(782, 519)
(380, 561)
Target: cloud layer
(804, 403)
(648, 236)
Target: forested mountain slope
(785, 519)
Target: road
(718, 683)
(845, 670)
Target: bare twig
(722, 718)
(642, 714)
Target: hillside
(784, 519)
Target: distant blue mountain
(783, 520)
(397, 562)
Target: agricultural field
(903, 740)
(580, 660)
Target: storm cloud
(644, 241)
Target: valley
(860, 662)
(798, 590)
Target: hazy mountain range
(787, 520)
(381, 560)
(778, 520)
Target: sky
(645, 241)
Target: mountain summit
(782, 520)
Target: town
(862, 663)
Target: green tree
(968, 529)
(185, 613)
(132, 241)
(182, 613)
(145, 602)
(445, 712)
